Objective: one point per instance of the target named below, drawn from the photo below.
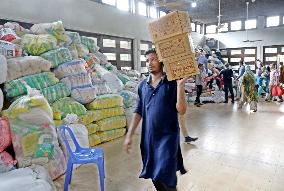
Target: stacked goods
(8, 35)
(170, 35)
(10, 50)
(34, 135)
(109, 119)
(4, 68)
(57, 56)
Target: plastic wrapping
(66, 106)
(111, 123)
(1, 100)
(129, 98)
(106, 101)
(34, 136)
(24, 66)
(58, 56)
(84, 95)
(39, 81)
(19, 30)
(4, 68)
(111, 79)
(87, 118)
(38, 44)
(90, 43)
(33, 178)
(70, 68)
(10, 50)
(7, 163)
(82, 50)
(101, 86)
(92, 128)
(124, 78)
(56, 92)
(55, 29)
(73, 51)
(5, 134)
(74, 36)
(91, 60)
(94, 140)
(106, 113)
(7, 34)
(77, 81)
(110, 135)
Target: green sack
(39, 81)
(58, 56)
(74, 36)
(38, 44)
(90, 43)
(56, 92)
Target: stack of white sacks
(74, 78)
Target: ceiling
(207, 10)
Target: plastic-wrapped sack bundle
(55, 29)
(5, 134)
(38, 44)
(24, 66)
(74, 36)
(110, 135)
(106, 101)
(7, 34)
(92, 128)
(84, 95)
(58, 56)
(20, 31)
(90, 43)
(4, 68)
(111, 67)
(7, 163)
(112, 123)
(77, 81)
(91, 60)
(124, 78)
(129, 98)
(111, 79)
(33, 178)
(101, 56)
(66, 106)
(56, 92)
(1, 100)
(94, 140)
(10, 50)
(82, 50)
(73, 51)
(101, 86)
(87, 118)
(39, 81)
(132, 86)
(34, 136)
(70, 68)
(106, 113)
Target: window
(224, 27)
(110, 56)
(125, 57)
(272, 21)
(144, 46)
(224, 52)
(249, 59)
(270, 50)
(125, 44)
(282, 49)
(250, 24)
(193, 27)
(153, 46)
(142, 9)
(153, 12)
(249, 51)
(235, 67)
(252, 67)
(142, 58)
(125, 68)
(198, 29)
(271, 59)
(211, 29)
(123, 5)
(108, 43)
(235, 52)
(236, 25)
(162, 13)
(109, 2)
(226, 59)
(235, 60)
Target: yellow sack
(92, 128)
(112, 123)
(106, 101)
(106, 113)
(110, 135)
(94, 140)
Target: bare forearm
(181, 104)
(136, 118)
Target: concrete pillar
(136, 54)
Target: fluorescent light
(193, 4)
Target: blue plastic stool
(81, 156)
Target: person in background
(274, 81)
(159, 102)
(203, 60)
(182, 125)
(241, 73)
(227, 75)
(248, 91)
(199, 84)
(281, 73)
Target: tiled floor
(236, 151)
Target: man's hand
(127, 144)
(182, 81)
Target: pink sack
(7, 159)
(5, 134)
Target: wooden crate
(173, 46)
(180, 66)
(170, 25)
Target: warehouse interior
(80, 64)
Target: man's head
(272, 66)
(200, 66)
(241, 62)
(152, 60)
(227, 65)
